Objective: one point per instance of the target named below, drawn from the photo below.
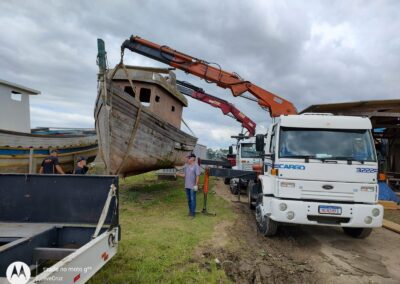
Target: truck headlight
(290, 215)
(368, 220)
(288, 184)
(368, 188)
(375, 212)
(282, 206)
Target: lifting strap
(188, 127)
(102, 219)
(135, 126)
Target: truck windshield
(329, 144)
(249, 150)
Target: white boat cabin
(14, 107)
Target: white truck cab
(246, 157)
(319, 169)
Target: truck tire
(251, 201)
(232, 189)
(359, 233)
(265, 225)
(227, 181)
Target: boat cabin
(154, 88)
(14, 107)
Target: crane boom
(226, 107)
(205, 70)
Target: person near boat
(81, 167)
(191, 173)
(51, 165)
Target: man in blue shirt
(191, 173)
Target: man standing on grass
(191, 173)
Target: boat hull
(24, 153)
(134, 140)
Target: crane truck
(317, 169)
(246, 155)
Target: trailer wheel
(359, 233)
(265, 225)
(227, 181)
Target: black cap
(81, 158)
(191, 155)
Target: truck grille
(331, 220)
(248, 167)
(326, 195)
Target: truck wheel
(232, 189)
(265, 225)
(251, 201)
(227, 181)
(359, 233)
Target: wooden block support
(388, 204)
(391, 226)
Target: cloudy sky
(308, 52)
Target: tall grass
(158, 238)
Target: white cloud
(308, 52)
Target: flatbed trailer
(64, 228)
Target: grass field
(158, 238)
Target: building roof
(20, 88)
(383, 113)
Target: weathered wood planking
(157, 144)
(41, 141)
(389, 205)
(391, 226)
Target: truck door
(270, 150)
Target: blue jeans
(191, 198)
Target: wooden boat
(24, 152)
(138, 117)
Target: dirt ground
(298, 254)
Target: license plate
(334, 210)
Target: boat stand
(205, 191)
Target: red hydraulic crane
(203, 69)
(226, 107)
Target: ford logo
(327, 186)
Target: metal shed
(385, 118)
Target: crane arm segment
(210, 72)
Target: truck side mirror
(230, 150)
(260, 143)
